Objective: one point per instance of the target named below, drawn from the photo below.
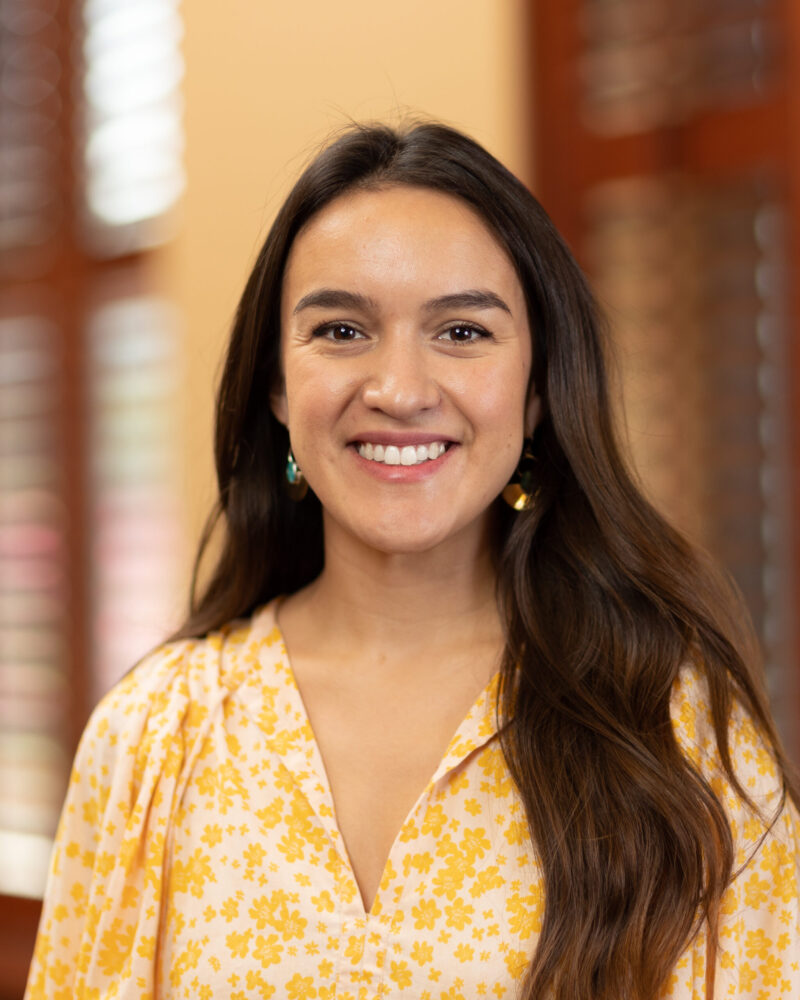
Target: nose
(401, 383)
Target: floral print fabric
(198, 854)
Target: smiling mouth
(409, 454)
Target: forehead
(396, 235)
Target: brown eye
(463, 334)
(340, 332)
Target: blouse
(198, 853)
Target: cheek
(316, 394)
(502, 398)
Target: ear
(533, 412)
(278, 404)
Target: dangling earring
(521, 493)
(297, 483)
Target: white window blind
(30, 139)
(135, 372)
(651, 63)
(131, 134)
(33, 583)
(692, 276)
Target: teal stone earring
(297, 484)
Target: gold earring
(521, 493)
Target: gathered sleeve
(98, 933)
(758, 946)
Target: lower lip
(403, 473)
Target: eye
(464, 333)
(341, 333)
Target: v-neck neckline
(273, 698)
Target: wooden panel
(19, 919)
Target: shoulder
(758, 919)
(752, 760)
(693, 725)
(168, 697)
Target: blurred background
(144, 148)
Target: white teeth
(408, 454)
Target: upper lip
(400, 438)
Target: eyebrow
(335, 298)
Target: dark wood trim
(19, 919)
(730, 142)
(70, 279)
(716, 143)
(558, 139)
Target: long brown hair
(602, 600)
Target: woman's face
(406, 358)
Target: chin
(410, 548)
(405, 532)
(408, 536)
(405, 543)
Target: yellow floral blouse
(198, 854)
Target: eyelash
(326, 329)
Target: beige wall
(266, 81)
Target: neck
(405, 607)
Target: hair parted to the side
(603, 602)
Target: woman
(427, 515)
